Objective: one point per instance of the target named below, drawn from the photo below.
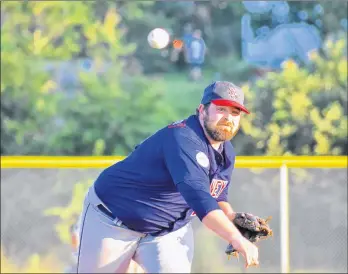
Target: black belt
(105, 211)
(109, 214)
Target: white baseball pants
(106, 246)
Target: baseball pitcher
(141, 208)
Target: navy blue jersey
(169, 178)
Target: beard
(223, 131)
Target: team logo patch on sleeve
(202, 159)
(180, 123)
(216, 187)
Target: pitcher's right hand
(249, 251)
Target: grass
(182, 94)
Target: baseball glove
(251, 227)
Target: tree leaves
(53, 101)
(308, 114)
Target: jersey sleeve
(224, 194)
(188, 165)
(232, 158)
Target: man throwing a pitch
(141, 207)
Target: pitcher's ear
(199, 109)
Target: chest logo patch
(202, 159)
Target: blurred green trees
(300, 111)
(68, 215)
(107, 110)
(220, 22)
(108, 105)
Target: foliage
(53, 104)
(232, 68)
(301, 111)
(68, 215)
(330, 18)
(26, 102)
(220, 22)
(35, 264)
(151, 60)
(48, 117)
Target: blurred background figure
(178, 54)
(195, 50)
(187, 36)
(189, 52)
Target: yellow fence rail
(283, 163)
(105, 161)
